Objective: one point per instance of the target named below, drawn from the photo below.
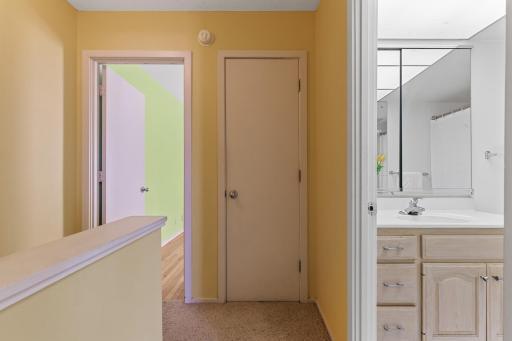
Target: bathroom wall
(488, 116)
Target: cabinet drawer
(463, 247)
(397, 248)
(397, 324)
(397, 284)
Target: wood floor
(172, 270)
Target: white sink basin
(435, 218)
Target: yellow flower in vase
(380, 162)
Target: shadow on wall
(38, 127)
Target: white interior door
(262, 169)
(123, 149)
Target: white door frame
(303, 147)
(362, 125)
(91, 136)
(507, 317)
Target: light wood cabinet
(456, 296)
(464, 248)
(454, 302)
(495, 302)
(397, 284)
(397, 248)
(397, 324)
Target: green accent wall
(164, 146)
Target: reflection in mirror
(436, 116)
(424, 125)
(388, 120)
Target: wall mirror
(424, 122)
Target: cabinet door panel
(495, 302)
(454, 302)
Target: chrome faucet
(413, 209)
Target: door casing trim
(361, 178)
(90, 136)
(302, 57)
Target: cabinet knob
(497, 278)
(484, 278)
(393, 285)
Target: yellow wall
(116, 298)
(328, 187)
(42, 40)
(37, 122)
(178, 31)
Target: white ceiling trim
(195, 5)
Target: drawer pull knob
(389, 328)
(393, 285)
(392, 248)
(497, 278)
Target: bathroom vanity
(440, 276)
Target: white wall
(488, 116)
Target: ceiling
(195, 5)
(436, 19)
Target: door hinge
(300, 175)
(300, 85)
(372, 208)
(101, 176)
(300, 266)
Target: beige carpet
(242, 321)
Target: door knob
(144, 189)
(233, 194)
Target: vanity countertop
(440, 219)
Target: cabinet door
(495, 302)
(454, 302)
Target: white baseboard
(195, 300)
(323, 317)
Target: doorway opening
(139, 151)
(428, 149)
